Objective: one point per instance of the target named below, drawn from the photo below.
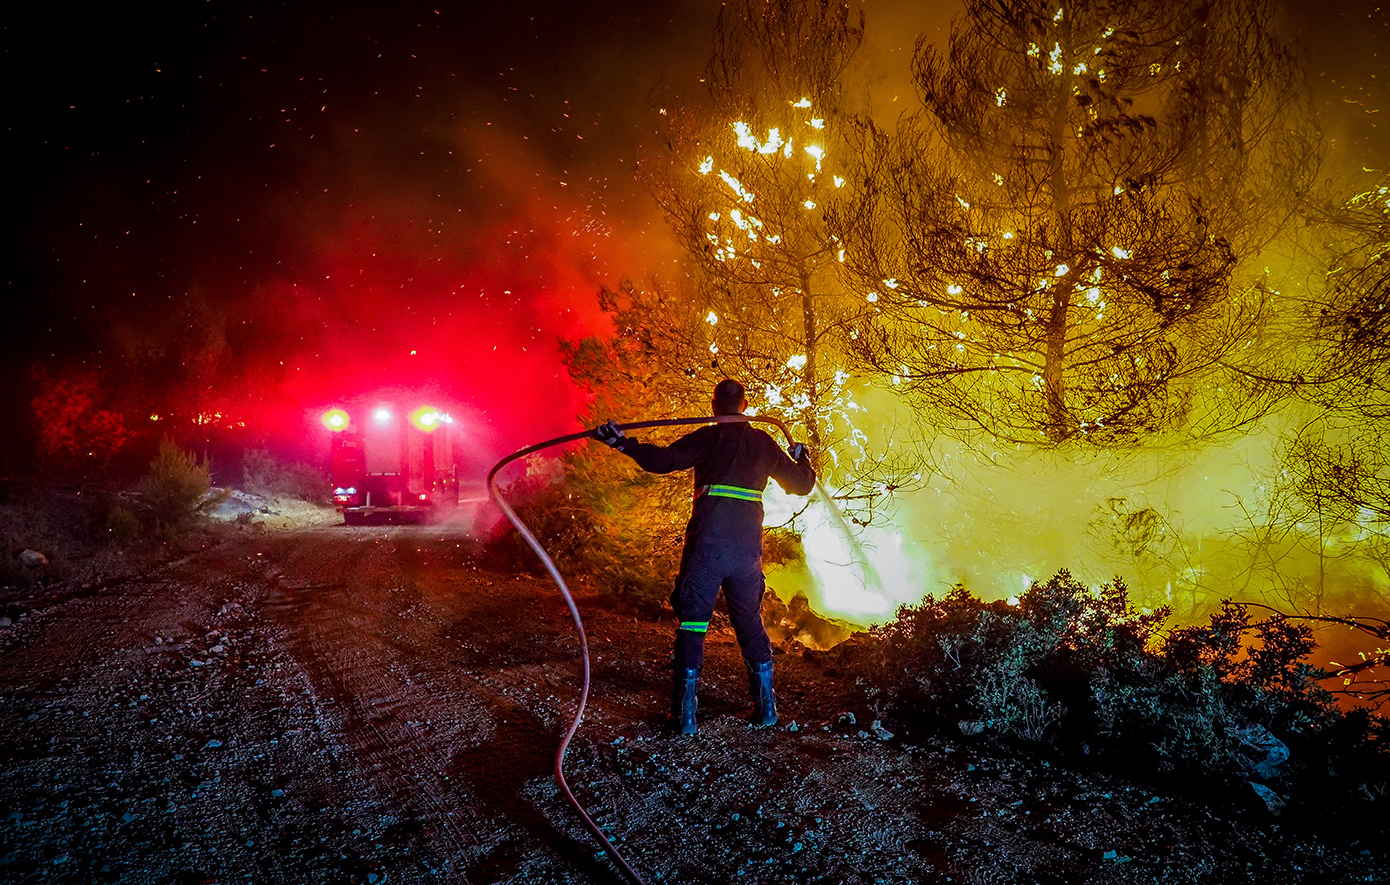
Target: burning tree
(1338, 462)
(747, 181)
(1048, 252)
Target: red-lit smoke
(398, 302)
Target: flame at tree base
(858, 576)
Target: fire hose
(574, 610)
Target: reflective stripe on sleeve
(735, 492)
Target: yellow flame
(748, 141)
(861, 576)
(733, 183)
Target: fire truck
(392, 466)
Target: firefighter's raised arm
(797, 476)
(679, 455)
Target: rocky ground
(344, 705)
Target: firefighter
(723, 540)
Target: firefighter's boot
(684, 683)
(764, 700)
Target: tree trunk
(810, 336)
(1054, 385)
(1058, 421)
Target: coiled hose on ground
(569, 599)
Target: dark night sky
(350, 183)
(454, 182)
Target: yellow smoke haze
(1183, 527)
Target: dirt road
(370, 705)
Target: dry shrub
(176, 488)
(601, 518)
(123, 526)
(265, 474)
(1080, 671)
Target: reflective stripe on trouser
(736, 492)
(705, 569)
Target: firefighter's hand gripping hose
(569, 599)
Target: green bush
(176, 488)
(587, 532)
(123, 525)
(1021, 670)
(1080, 671)
(266, 474)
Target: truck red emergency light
(393, 468)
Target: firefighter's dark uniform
(724, 538)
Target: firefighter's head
(729, 398)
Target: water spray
(555, 576)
